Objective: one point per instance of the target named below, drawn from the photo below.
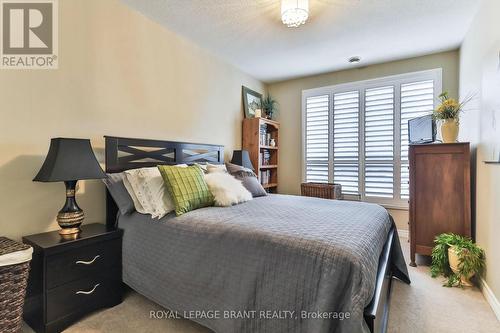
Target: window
(356, 134)
(346, 141)
(317, 137)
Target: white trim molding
(403, 233)
(490, 298)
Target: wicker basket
(321, 190)
(14, 268)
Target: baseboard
(490, 298)
(402, 233)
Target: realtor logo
(29, 34)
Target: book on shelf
(265, 177)
(263, 132)
(265, 136)
(265, 157)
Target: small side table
(70, 278)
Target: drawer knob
(87, 292)
(81, 262)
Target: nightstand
(70, 278)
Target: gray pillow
(252, 184)
(114, 183)
(248, 179)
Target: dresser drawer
(84, 295)
(82, 262)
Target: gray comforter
(278, 262)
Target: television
(421, 130)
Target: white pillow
(149, 189)
(226, 189)
(130, 190)
(212, 168)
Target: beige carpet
(425, 306)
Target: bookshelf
(257, 134)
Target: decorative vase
(449, 130)
(454, 262)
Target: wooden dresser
(439, 194)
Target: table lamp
(69, 160)
(241, 157)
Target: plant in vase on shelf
(270, 106)
(449, 113)
(457, 258)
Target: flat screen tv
(421, 130)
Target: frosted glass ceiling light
(294, 12)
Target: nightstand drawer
(82, 262)
(84, 295)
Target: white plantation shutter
(346, 141)
(316, 140)
(417, 99)
(356, 134)
(379, 142)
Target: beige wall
(119, 74)
(479, 59)
(288, 93)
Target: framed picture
(252, 101)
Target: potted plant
(270, 106)
(457, 258)
(449, 113)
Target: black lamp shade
(69, 160)
(241, 157)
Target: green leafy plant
(270, 106)
(470, 257)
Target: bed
(274, 264)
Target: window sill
(396, 206)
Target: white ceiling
(249, 33)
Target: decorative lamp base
(69, 231)
(70, 217)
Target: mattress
(273, 264)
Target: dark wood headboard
(127, 153)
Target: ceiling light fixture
(354, 60)
(294, 13)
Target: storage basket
(321, 190)
(14, 268)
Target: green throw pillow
(187, 187)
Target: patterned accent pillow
(187, 187)
(203, 167)
(130, 190)
(149, 189)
